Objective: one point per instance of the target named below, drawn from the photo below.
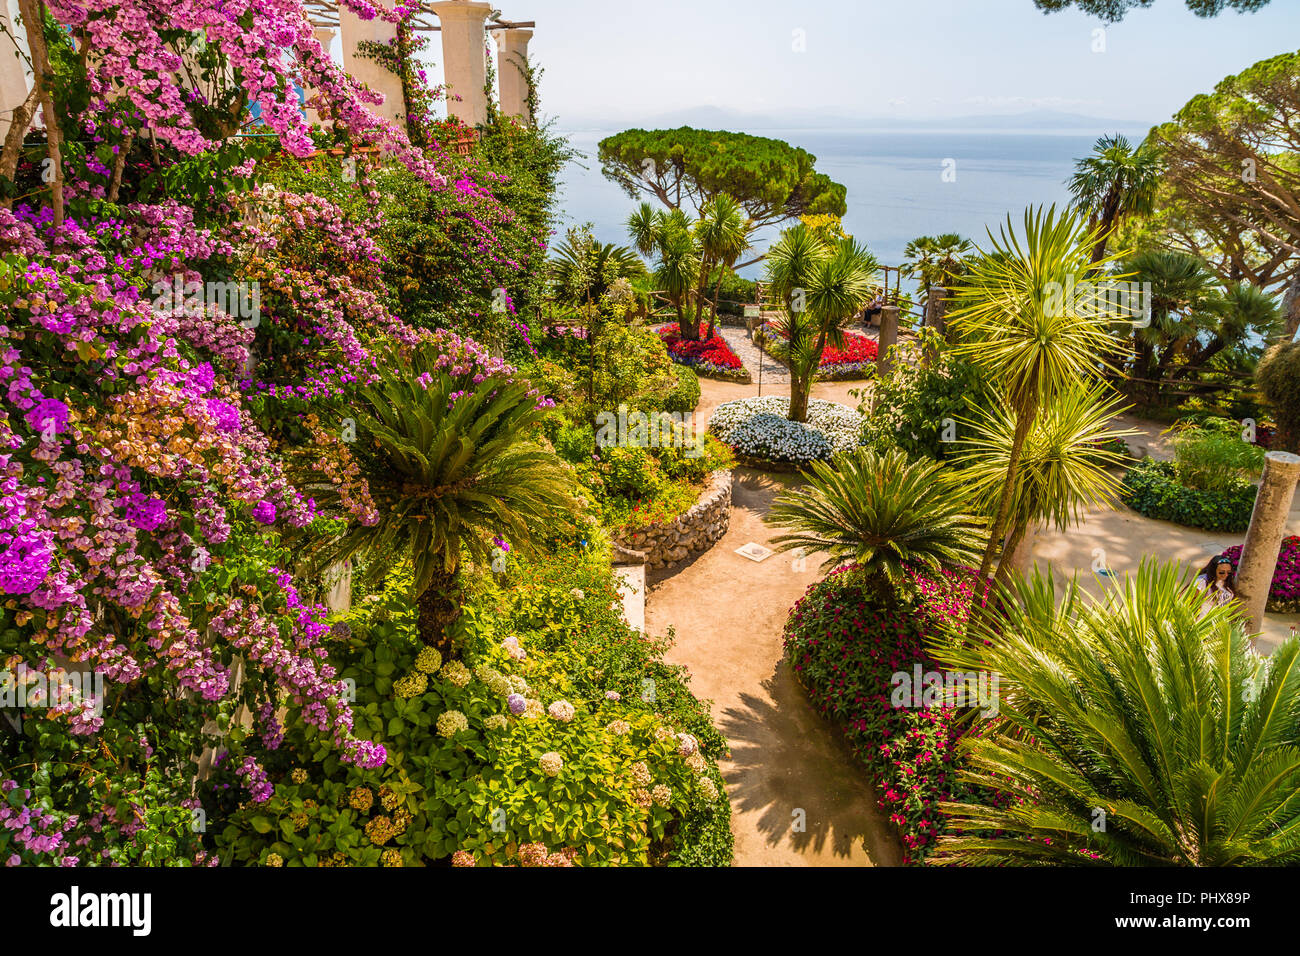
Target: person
(1217, 581)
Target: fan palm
(936, 260)
(450, 467)
(1139, 730)
(583, 269)
(1116, 181)
(1064, 465)
(1015, 324)
(824, 284)
(881, 513)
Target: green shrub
(631, 472)
(575, 442)
(466, 776)
(1152, 489)
(685, 395)
(1210, 460)
(1279, 383)
(919, 403)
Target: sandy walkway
(728, 613)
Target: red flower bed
(857, 348)
(858, 354)
(845, 650)
(713, 352)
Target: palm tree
(1116, 181)
(936, 260)
(1064, 465)
(881, 513)
(723, 235)
(1138, 730)
(1035, 342)
(451, 466)
(824, 284)
(1181, 286)
(583, 269)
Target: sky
(626, 62)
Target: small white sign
(754, 551)
(751, 312)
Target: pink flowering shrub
(1284, 590)
(844, 648)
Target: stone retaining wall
(691, 533)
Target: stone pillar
(936, 308)
(325, 37)
(1264, 539)
(512, 55)
(14, 85)
(354, 30)
(887, 338)
(338, 587)
(463, 59)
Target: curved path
(798, 795)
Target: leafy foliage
(1152, 488)
(1139, 730)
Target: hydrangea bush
(544, 735)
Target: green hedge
(1151, 489)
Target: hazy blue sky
(904, 58)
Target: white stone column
(14, 80)
(325, 37)
(463, 61)
(377, 77)
(1264, 538)
(512, 55)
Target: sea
(901, 184)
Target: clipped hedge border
(1152, 489)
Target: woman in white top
(1217, 581)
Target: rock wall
(697, 530)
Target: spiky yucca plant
(1139, 730)
(451, 466)
(880, 512)
(1064, 465)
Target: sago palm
(1139, 730)
(451, 466)
(879, 512)
(1014, 321)
(1065, 465)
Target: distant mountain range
(716, 117)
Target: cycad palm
(879, 512)
(1136, 731)
(1014, 321)
(450, 465)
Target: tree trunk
(33, 12)
(22, 119)
(1024, 421)
(437, 608)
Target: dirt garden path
(798, 795)
(728, 613)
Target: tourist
(1217, 581)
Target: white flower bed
(758, 428)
